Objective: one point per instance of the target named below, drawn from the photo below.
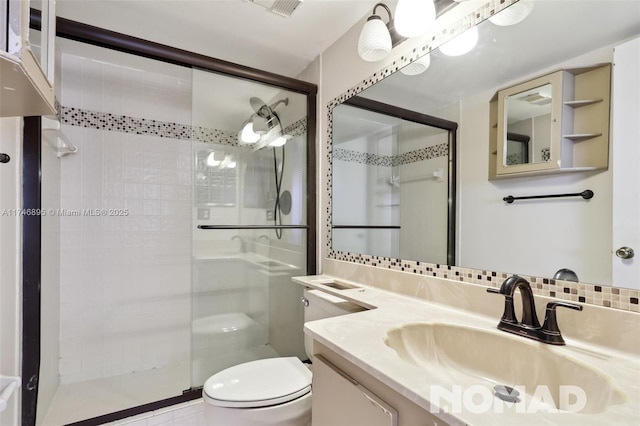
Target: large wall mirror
(536, 237)
(399, 167)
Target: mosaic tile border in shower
(359, 157)
(422, 154)
(606, 296)
(144, 126)
(610, 297)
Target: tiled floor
(79, 401)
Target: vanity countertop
(360, 338)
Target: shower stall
(176, 226)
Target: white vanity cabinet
(556, 123)
(26, 66)
(345, 395)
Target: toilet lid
(258, 383)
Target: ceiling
(239, 31)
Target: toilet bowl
(272, 391)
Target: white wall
(11, 262)
(125, 280)
(487, 223)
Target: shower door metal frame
(31, 250)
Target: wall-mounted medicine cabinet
(556, 123)
(26, 66)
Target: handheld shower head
(266, 127)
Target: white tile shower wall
(125, 276)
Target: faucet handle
(550, 329)
(509, 314)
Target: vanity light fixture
(415, 17)
(418, 66)
(279, 141)
(264, 127)
(412, 18)
(377, 38)
(247, 135)
(211, 160)
(461, 44)
(228, 162)
(513, 14)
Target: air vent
(285, 7)
(539, 99)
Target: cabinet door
(339, 400)
(529, 126)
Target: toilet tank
(324, 305)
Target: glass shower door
(249, 230)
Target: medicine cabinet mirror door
(529, 126)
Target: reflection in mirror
(537, 237)
(528, 117)
(395, 164)
(215, 176)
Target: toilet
(272, 391)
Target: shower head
(258, 106)
(264, 127)
(264, 110)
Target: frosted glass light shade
(247, 134)
(414, 17)
(418, 66)
(461, 44)
(211, 160)
(278, 141)
(513, 14)
(375, 41)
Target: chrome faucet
(529, 325)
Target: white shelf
(581, 136)
(549, 172)
(581, 103)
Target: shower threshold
(74, 402)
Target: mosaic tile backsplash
(611, 297)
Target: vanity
(426, 351)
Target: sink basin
(337, 285)
(473, 356)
